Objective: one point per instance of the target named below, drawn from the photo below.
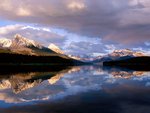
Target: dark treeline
(18, 59)
(135, 63)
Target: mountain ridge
(55, 48)
(22, 45)
(119, 55)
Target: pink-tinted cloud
(120, 21)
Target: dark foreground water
(87, 89)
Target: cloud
(87, 48)
(147, 43)
(70, 43)
(76, 5)
(145, 50)
(122, 21)
(76, 45)
(9, 28)
(42, 35)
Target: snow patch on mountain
(22, 45)
(6, 43)
(125, 52)
(55, 48)
(22, 41)
(118, 54)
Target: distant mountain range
(125, 52)
(119, 55)
(23, 46)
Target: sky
(79, 27)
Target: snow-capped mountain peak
(139, 54)
(126, 52)
(22, 41)
(121, 53)
(55, 48)
(22, 45)
(6, 43)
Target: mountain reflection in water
(76, 89)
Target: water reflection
(21, 87)
(80, 85)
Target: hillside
(18, 59)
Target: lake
(85, 89)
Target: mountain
(25, 46)
(125, 52)
(22, 45)
(55, 48)
(24, 42)
(18, 42)
(118, 55)
(21, 50)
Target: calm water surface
(87, 89)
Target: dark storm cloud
(135, 34)
(123, 21)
